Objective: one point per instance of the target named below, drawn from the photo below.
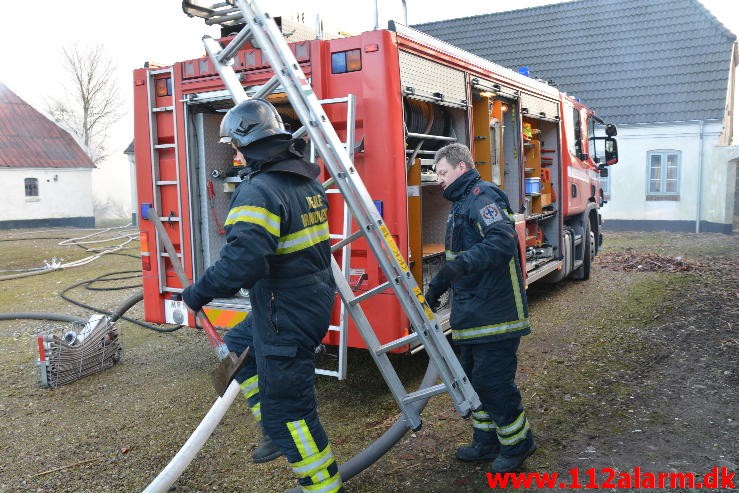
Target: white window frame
(661, 194)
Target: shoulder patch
(490, 214)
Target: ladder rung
(233, 47)
(328, 373)
(267, 88)
(346, 241)
(432, 137)
(165, 254)
(171, 289)
(300, 132)
(385, 348)
(379, 289)
(163, 146)
(166, 182)
(223, 18)
(170, 219)
(425, 393)
(162, 108)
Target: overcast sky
(135, 31)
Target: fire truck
(395, 97)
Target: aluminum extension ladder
(262, 31)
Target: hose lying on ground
(348, 470)
(58, 317)
(93, 346)
(174, 469)
(127, 304)
(55, 264)
(387, 440)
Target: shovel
(230, 363)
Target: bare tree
(92, 103)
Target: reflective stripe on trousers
(317, 469)
(514, 432)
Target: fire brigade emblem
(490, 214)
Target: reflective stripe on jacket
(276, 231)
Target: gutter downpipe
(700, 181)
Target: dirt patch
(611, 364)
(631, 261)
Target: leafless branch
(92, 101)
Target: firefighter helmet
(250, 121)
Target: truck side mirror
(611, 151)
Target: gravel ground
(632, 368)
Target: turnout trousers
(287, 322)
(491, 368)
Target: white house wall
(719, 185)
(64, 197)
(628, 207)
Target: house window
(31, 187)
(663, 175)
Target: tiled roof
(30, 140)
(633, 61)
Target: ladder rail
(229, 77)
(410, 296)
(343, 324)
(338, 161)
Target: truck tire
(582, 273)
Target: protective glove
(193, 299)
(443, 281)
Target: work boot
(510, 463)
(477, 451)
(265, 451)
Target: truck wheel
(582, 273)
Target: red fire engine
(395, 97)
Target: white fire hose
(192, 446)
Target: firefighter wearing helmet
(277, 246)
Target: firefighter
(277, 246)
(489, 312)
